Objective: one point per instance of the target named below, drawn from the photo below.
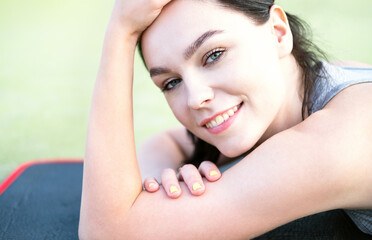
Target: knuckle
(167, 171)
(204, 164)
(207, 165)
(168, 174)
(192, 177)
(189, 167)
(188, 172)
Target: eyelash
(166, 84)
(221, 51)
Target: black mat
(331, 225)
(42, 203)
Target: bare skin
(161, 160)
(150, 155)
(298, 169)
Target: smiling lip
(221, 121)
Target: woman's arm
(170, 148)
(300, 171)
(112, 179)
(109, 155)
(323, 163)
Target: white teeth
(221, 118)
(214, 123)
(225, 116)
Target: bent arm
(170, 148)
(318, 165)
(110, 165)
(287, 177)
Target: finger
(193, 179)
(151, 185)
(210, 171)
(170, 183)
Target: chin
(233, 152)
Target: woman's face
(221, 74)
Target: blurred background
(49, 56)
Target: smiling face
(225, 78)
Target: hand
(136, 15)
(189, 174)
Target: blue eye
(213, 56)
(170, 84)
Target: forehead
(182, 21)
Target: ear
(281, 31)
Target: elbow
(95, 229)
(88, 232)
(83, 233)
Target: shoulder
(333, 79)
(342, 134)
(360, 94)
(350, 109)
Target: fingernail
(196, 186)
(213, 173)
(173, 189)
(152, 185)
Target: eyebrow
(190, 50)
(158, 70)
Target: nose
(199, 94)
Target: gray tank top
(333, 80)
(337, 79)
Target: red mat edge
(18, 171)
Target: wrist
(121, 31)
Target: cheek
(179, 108)
(250, 70)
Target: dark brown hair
(306, 53)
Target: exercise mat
(41, 200)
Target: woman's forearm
(111, 175)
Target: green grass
(342, 29)
(49, 55)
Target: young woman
(240, 77)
